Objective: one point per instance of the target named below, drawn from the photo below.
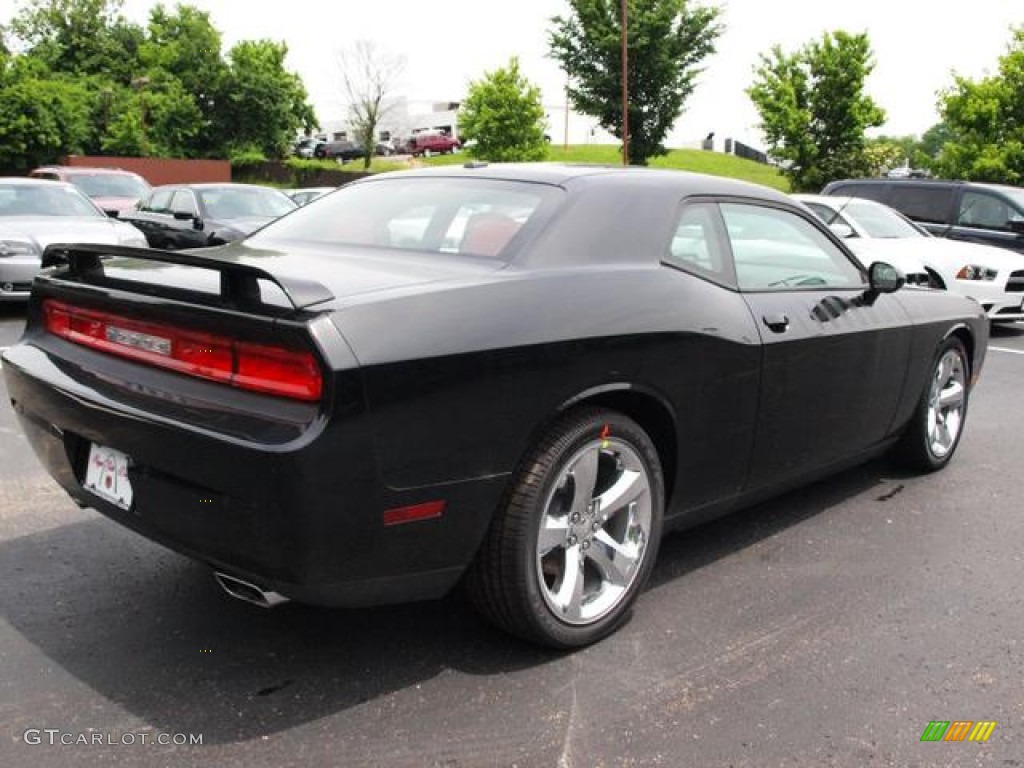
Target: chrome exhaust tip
(250, 593)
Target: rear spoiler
(239, 283)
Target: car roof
(567, 175)
(213, 185)
(23, 181)
(926, 183)
(73, 169)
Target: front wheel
(934, 431)
(576, 538)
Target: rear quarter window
(929, 204)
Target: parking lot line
(1007, 349)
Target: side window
(184, 202)
(922, 203)
(778, 250)
(696, 246)
(160, 202)
(980, 209)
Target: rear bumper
(303, 518)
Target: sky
(447, 44)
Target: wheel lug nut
(575, 517)
(572, 541)
(585, 544)
(595, 526)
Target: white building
(402, 120)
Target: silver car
(35, 213)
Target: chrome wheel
(594, 531)
(946, 400)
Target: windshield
(110, 185)
(244, 202)
(474, 217)
(880, 221)
(1016, 196)
(44, 200)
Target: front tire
(577, 534)
(934, 431)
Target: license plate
(106, 475)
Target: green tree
(503, 114)
(158, 118)
(887, 152)
(185, 45)
(81, 37)
(985, 120)
(263, 106)
(40, 120)
(813, 108)
(667, 41)
(933, 141)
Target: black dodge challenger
(514, 378)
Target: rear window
(44, 200)
(244, 202)
(109, 185)
(471, 217)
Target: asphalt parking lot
(827, 627)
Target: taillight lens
(266, 368)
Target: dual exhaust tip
(250, 593)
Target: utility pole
(625, 86)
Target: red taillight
(262, 368)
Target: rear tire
(935, 429)
(577, 533)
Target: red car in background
(432, 143)
(112, 189)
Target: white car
(994, 277)
(35, 213)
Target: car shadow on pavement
(149, 632)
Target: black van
(990, 214)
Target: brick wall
(160, 170)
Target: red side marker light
(425, 511)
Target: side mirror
(885, 278)
(841, 230)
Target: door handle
(778, 322)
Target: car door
(181, 231)
(712, 370)
(988, 218)
(833, 357)
(148, 217)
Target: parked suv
(339, 150)
(111, 189)
(959, 210)
(431, 144)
